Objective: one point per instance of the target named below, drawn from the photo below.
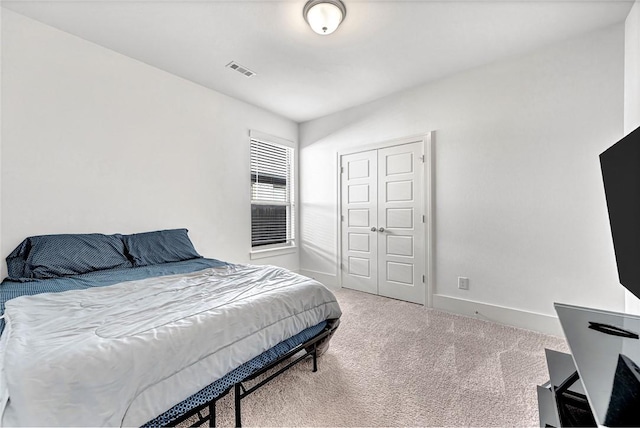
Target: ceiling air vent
(241, 69)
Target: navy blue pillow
(17, 259)
(163, 246)
(52, 256)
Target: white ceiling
(382, 47)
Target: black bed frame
(309, 349)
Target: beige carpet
(393, 363)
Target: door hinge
(422, 278)
(341, 218)
(422, 158)
(423, 218)
(341, 170)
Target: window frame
(290, 246)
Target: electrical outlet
(463, 283)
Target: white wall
(632, 98)
(1, 20)
(632, 69)
(93, 141)
(519, 202)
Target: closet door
(359, 221)
(381, 221)
(400, 218)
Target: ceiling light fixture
(324, 16)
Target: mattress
(123, 354)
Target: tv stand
(598, 384)
(562, 400)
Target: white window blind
(272, 195)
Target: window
(272, 195)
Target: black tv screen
(620, 165)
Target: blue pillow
(163, 246)
(52, 256)
(17, 259)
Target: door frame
(427, 140)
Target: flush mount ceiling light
(324, 16)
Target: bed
(133, 330)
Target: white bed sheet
(123, 354)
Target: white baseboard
(329, 280)
(515, 317)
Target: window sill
(272, 252)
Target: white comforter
(123, 354)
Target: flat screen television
(620, 165)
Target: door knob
(373, 229)
(381, 229)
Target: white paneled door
(360, 221)
(383, 222)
